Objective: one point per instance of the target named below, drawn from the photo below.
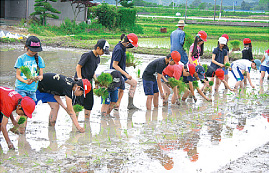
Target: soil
(255, 161)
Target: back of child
(35, 63)
(247, 51)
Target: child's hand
(81, 130)
(252, 86)
(162, 96)
(11, 146)
(29, 81)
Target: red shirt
(8, 100)
(173, 71)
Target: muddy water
(192, 137)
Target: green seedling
(26, 71)
(195, 84)
(101, 92)
(138, 73)
(126, 133)
(211, 83)
(105, 79)
(173, 82)
(22, 120)
(205, 67)
(227, 65)
(77, 108)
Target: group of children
(48, 87)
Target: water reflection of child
(151, 85)
(85, 69)
(118, 62)
(10, 100)
(215, 128)
(24, 86)
(118, 83)
(264, 66)
(197, 48)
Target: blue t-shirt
(119, 54)
(25, 60)
(220, 54)
(177, 39)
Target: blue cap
(258, 63)
(200, 71)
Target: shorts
(187, 79)
(44, 97)
(23, 93)
(1, 117)
(113, 97)
(86, 102)
(264, 68)
(237, 73)
(225, 71)
(150, 87)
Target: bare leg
(166, 92)
(87, 113)
(262, 78)
(174, 96)
(226, 78)
(133, 84)
(156, 100)
(104, 109)
(149, 101)
(54, 108)
(217, 84)
(121, 92)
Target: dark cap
(210, 72)
(103, 44)
(34, 44)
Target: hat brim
(29, 115)
(180, 25)
(106, 51)
(36, 49)
(201, 77)
(135, 45)
(221, 78)
(267, 51)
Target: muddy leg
(54, 106)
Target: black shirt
(153, 68)
(56, 84)
(118, 80)
(89, 63)
(247, 53)
(119, 54)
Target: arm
(78, 70)
(72, 114)
(20, 78)
(40, 76)
(248, 76)
(215, 62)
(117, 67)
(59, 100)
(14, 122)
(203, 95)
(190, 59)
(191, 88)
(160, 85)
(226, 85)
(263, 58)
(226, 59)
(5, 133)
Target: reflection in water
(186, 138)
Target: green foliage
(195, 84)
(188, 41)
(78, 108)
(182, 86)
(173, 82)
(106, 15)
(9, 40)
(101, 92)
(26, 71)
(22, 120)
(138, 73)
(44, 9)
(205, 67)
(235, 44)
(126, 3)
(211, 83)
(105, 79)
(126, 17)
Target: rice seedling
(227, 65)
(195, 84)
(138, 73)
(26, 71)
(126, 133)
(101, 92)
(105, 79)
(205, 67)
(22, 120)
(77, 108)
(211, 83)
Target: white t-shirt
(243, 64)
(266, 61)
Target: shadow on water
(201, 136)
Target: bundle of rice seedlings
(101, 92)
(182, 86)
(205, 67)
(26, 71)
(22, 120)
(78, 108)
(195, 84)
(227, 65)
(105, 79)
(173, 82)
(211, 83)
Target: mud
(229, 134)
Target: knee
(52, 122)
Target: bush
(126, 17)
(106, 15)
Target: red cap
(267, 51)
(202, 35)
(87, 86)
(246, 41)
(191, 68)
(133, 39)
(219, 73)
(226, 36)
(176, 56)
(28, 106)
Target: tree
(245, 6)
(195, 3)
(202, 5)
(80, 5)
(44, 9)
(126, 3)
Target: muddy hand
(81, 130)
(11, 146)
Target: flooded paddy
(193, 137)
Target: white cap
(222, 40)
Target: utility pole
(220, 9)
(186, 11)
(215, 10)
